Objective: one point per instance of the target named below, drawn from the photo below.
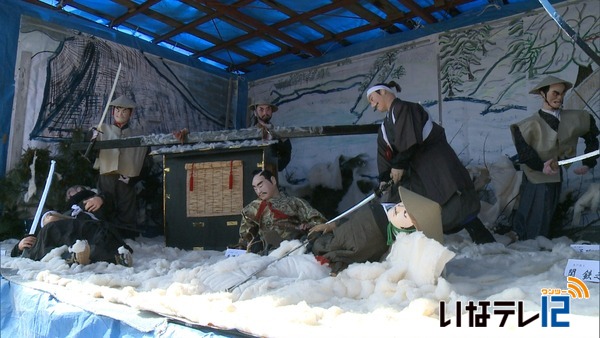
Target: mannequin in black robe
(412, 150)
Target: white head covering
(123, 101)
(378, 87)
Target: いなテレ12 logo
(558, 301)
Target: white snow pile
(294, 296)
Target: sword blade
(570, 32)
(377, 192)
(579, 158)
(360, 204)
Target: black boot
(478, 232)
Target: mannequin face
(72, 191)
(264, 112)
(264, 188)
(381, 100)
(399, 217)
(121, 115)
(553, 99)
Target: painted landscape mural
(473, 81)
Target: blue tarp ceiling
(244, 35)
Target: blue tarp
(26, 312)
(30, 312)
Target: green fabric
(392, 232)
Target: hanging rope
(231, 65)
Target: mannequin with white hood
(119, 167)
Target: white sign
(585, 247)
(586, 270)
(234, 252)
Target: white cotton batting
(421, 259)
(79, 246)
(32, 188)
(588, 200)
(327, 175)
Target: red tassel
(230, 175)
(192, 179)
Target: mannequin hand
(325, 228)
(27, 242)
(396, 174)
(581, 170)
(96, 132)
(550, 167)
(181, 135)
(93, 204)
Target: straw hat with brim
(548, 81)
(426, 213)
(123, 101)
(263, 102)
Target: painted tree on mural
(523, 50)
(539, 44)
(460, 51)
(383, 69)
(535, 45)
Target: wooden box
(204, 193)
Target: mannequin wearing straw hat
(415, 213)
(120, 166)
(361, 236)
(549, 135)
(262, 112)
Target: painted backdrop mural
(473, 81)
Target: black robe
(103, 239)
(102, 235)
(431, 167)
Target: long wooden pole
(232, 135)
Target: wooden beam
(132, 10)
(251, 32)
(293, 14)
(266, 30)
(385, 6)
(231, 136)
(417, 10)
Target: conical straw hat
(548, 81)
(426, 213)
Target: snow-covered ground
(296, 297)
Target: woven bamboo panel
(208, 188)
